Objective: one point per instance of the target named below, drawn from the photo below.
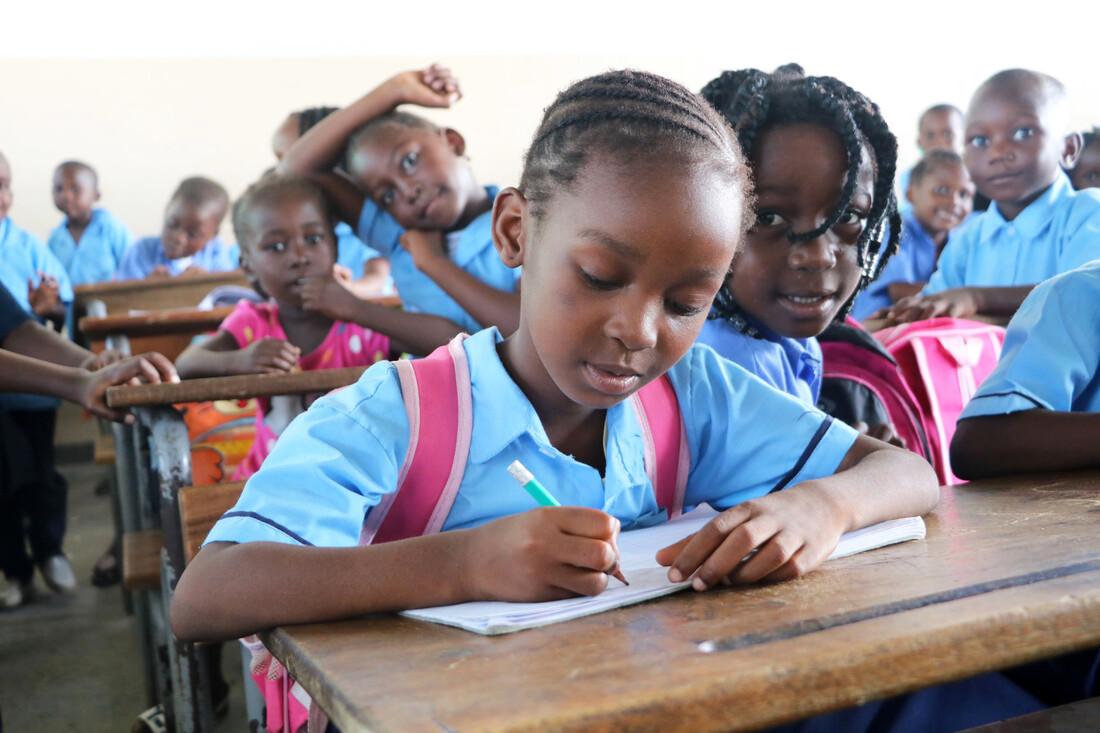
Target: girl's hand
(431, 87)
(955, 303)
(160, 272)
(193, 270)
(883, 431)
(104, 358)
(776, 537)
(544, 554)
(329, 295)
(45, 296)
(151, 368)
(423, 246)
(267, 356)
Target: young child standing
(824, 190)
(189, 242)
(89, 242)
(284, 228)
(941, 195)
(414, 199)
(1018, 137)
(627, 216)
(1085, 172)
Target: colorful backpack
(429, 479)
(861, 382)
(944, 360)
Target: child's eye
(769, 219)
(940, 190)
(315, 239)
(978, 141)
(597, 283)
(684, 311)
(275, 247)
(408, 163)
(852, 217)
(1023, 133)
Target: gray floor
(73, 662)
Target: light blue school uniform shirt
(337, 460)
(788, 364)
(473, 252)
(147, 254)
(22, 257)
(1057, 232)
(1051, 354)
(99, 253)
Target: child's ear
(455, 140)
(909, 193)
(1073, 145)
(510, 226)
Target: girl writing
(286, 237)
(623, 225)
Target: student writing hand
(423, 246)
(268, 355)
(151, 368)
(330, 296)
(543, 554)
(787, 534)
(955, 303)
(44, 296)
(431, 87)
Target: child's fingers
(739, 544)
(667, 555)
(165, 370)
(573, 581)
(774, 554)
(586, 553)
(584, 521)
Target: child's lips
(611, 379)
(809, 305)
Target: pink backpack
(944, 360)
(429, 479)
(860, 381)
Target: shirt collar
(477, 235)
(1035, 216)
(502, 414)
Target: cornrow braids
(1089, 137)
(753, 100)
(630, 116)
(310, 116)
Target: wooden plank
(104, 452)
(232, 388)
(186, 320)
(1083, 715)
(200, 508)
(141, 559)
(158, 294)
(1009, 573)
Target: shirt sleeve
(746, 438)
(135, 263)
(378, 230)
(330, 466)
(1051, 352)
(1082, 243)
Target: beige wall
(145, 124)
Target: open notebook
(647, 579)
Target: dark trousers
(32, 493)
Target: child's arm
(221, 356)
(1026, 441)
(415, 333)
(315, 153)
(901, 289)
(38, 342)
(230, 590)
(793, 531)
(489, 306)
(959, 303)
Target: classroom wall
(147, 123)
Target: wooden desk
(1010, 572)
(186, 291)
(168, 332)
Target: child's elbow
(968, 458)
(186, 616)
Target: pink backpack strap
(667, 458)
(440, 428)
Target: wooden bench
(200, 508)
(168, 332)
(104, 450)
(141, 559)
(123, 296)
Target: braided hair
(752, 101)
(631, 116)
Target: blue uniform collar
(502, 414)
(477, 235)
(1034, 217)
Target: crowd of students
(666, 241)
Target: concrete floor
(72, 662)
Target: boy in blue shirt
(1018, 137)
(189, 242)
(940, 128)
(89, 242)
(940, 195)
(1085, 173)
(414, 198)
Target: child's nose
(635, 325)
(814, 254)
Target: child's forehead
(1022, 99)
(74, 173)
(940, 118)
